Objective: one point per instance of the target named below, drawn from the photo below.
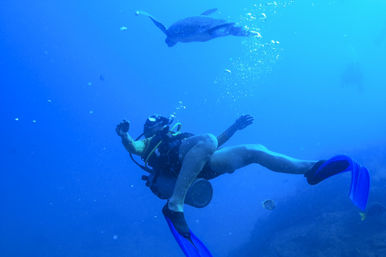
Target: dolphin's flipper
(157, 23)
(210, 11)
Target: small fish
(269, 205)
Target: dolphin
(198, 28)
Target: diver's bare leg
(198, 151)
(229, 159)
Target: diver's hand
(122, 128)
(243, 122)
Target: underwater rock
(376, 209)
(320, 221)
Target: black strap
(147, 169)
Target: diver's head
(155, 123)
(170, 42)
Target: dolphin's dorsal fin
(209, 12)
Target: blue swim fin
(360, 185)
(360, 178)
(192, 247)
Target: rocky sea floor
(321, 221)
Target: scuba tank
(162, 185)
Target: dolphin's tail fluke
(157, 23)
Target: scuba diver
(185, 163)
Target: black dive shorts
(208, 173)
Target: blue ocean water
(71, 71)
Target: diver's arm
(223, 137)
(240, 123)
(132, 146)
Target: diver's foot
(178, 220)
(310, 174)
(175, 206)
(325, 169)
